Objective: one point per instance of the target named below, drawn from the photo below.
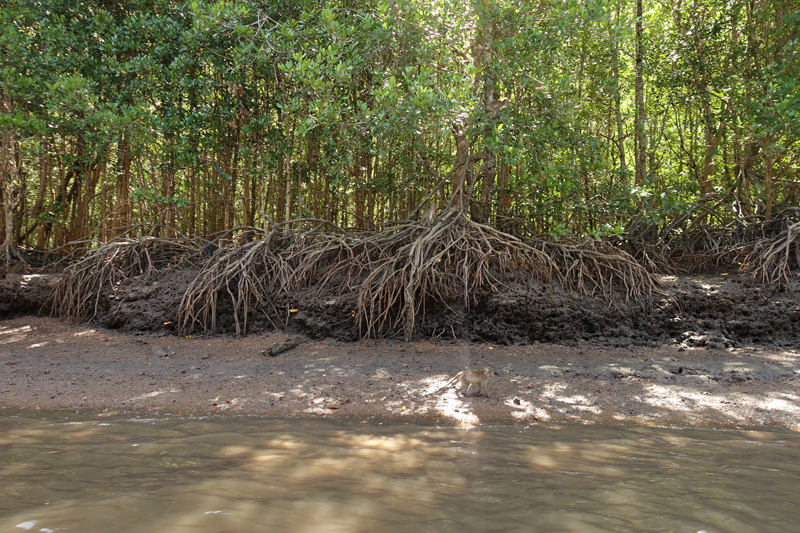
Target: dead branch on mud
(78, 294)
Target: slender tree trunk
(360, 201)
(122, 218)
(331, 213)
(287, 195)
(460, 168)
(247, 203)
(44, 178)
(254, 192)
(713, 139)
(6, 176)
(506, 197)
(279, 194)
(232, 185)
(103, 209)
(212, 211)
(312, 163)
(361, 173)
(80, 224)
(769, 160)
(192, 178)
(21, 195)
(617, 95)
(640, 142)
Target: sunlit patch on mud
(451, 406)
(145, 396)
(13, 334)
(524, 410)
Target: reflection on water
(89, 473)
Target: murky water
(90, 473)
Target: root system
(393, 272)
(78, 294)
(390, 274)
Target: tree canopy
(156, 117)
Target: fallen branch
(277, 349)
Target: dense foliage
(168, 118)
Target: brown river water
(61, 471)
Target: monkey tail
(445, 386)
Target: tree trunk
(287, 195)
(122, 211)
(44, 178)
(769, 160)
(641, 148)
(617, 96)
(247, 203)
(80, 222)
(713, 140)
(7, 172)
(232, 186)
(460, 168)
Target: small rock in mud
(158, 351)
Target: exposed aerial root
(771, 259)
(10, 258)
(766, 248)
(246, 273)
(77, 295)
(446, 261)
(593, 267)
(389, 273)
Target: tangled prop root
(770, 260)
(246, 273)
(77, 294)
(392, 272)
(10, 258)
(448, 260)
(593, 266)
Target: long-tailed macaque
(429, 215)
(465, 378)
(493, 108)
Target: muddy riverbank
(717, 311)
(49, 364)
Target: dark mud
(714, 311)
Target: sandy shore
(49, 364)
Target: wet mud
(50, 364)
(717, 351)
(715, 311)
